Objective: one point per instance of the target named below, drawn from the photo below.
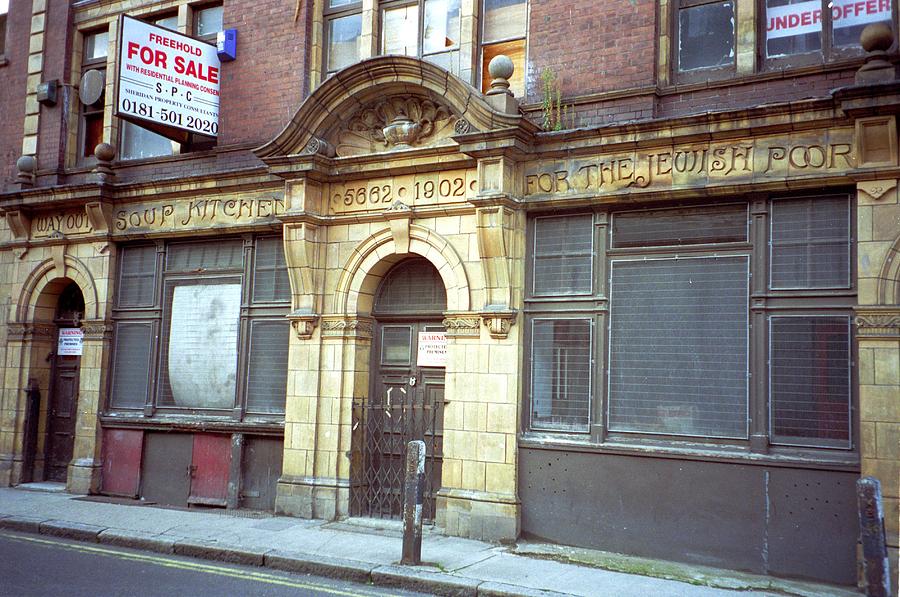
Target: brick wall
(592, 46)
(263, 88)
(12, 88)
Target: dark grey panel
(813, 524)
(260, 472)
(697, 512)
(166, 477)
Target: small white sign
(71, 342)
(166, 79)
(432, 349)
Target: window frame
(713, 73)
(97, 108)
(829, 53)
(158, 316)
(330, 14)
(762, 304)
(4, 19)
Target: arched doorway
(63, 398)
(406, 394)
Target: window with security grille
(201, 327)
(726, 325)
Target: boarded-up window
(267, 370)
(810, 380)
(563, 255)
(678, 227)
(270, 278)
(199, 365)
(810, 243)
(131, 365)
(137, 276)
(678, 346)
(561, 374)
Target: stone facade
(392, 158)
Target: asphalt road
(47, 566)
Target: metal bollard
(413, 496)
(871, 530)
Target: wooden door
(405, 403)
(210, 464)
(61, 418)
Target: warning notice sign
(432, 349)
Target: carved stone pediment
(396, 122)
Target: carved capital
(878, 324)
(462, 326)
(304, 324)
(360, 328)
(498, 323)
(97, 330)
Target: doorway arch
(406, 391)
(50, 415)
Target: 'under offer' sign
(71, 342)
(432, 349)
(166, 81)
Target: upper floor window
(4, 9)
(137, 142)
(818, 28)
(705, 34)
(505, 25)
(429, 29)
(93, 58)
(708, 43)
(343, 32)
(208, 22)
(433, 30)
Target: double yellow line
(262, 577)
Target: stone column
(84, 470)
(878, 341)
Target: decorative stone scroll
(462, 326)
(97, 330)
(878, 324)
(347, 328)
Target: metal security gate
(406, 395)
(404, 407)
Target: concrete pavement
(367, 551)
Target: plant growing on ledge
(556, 116)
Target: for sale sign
(166, 81)
(806, 17)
